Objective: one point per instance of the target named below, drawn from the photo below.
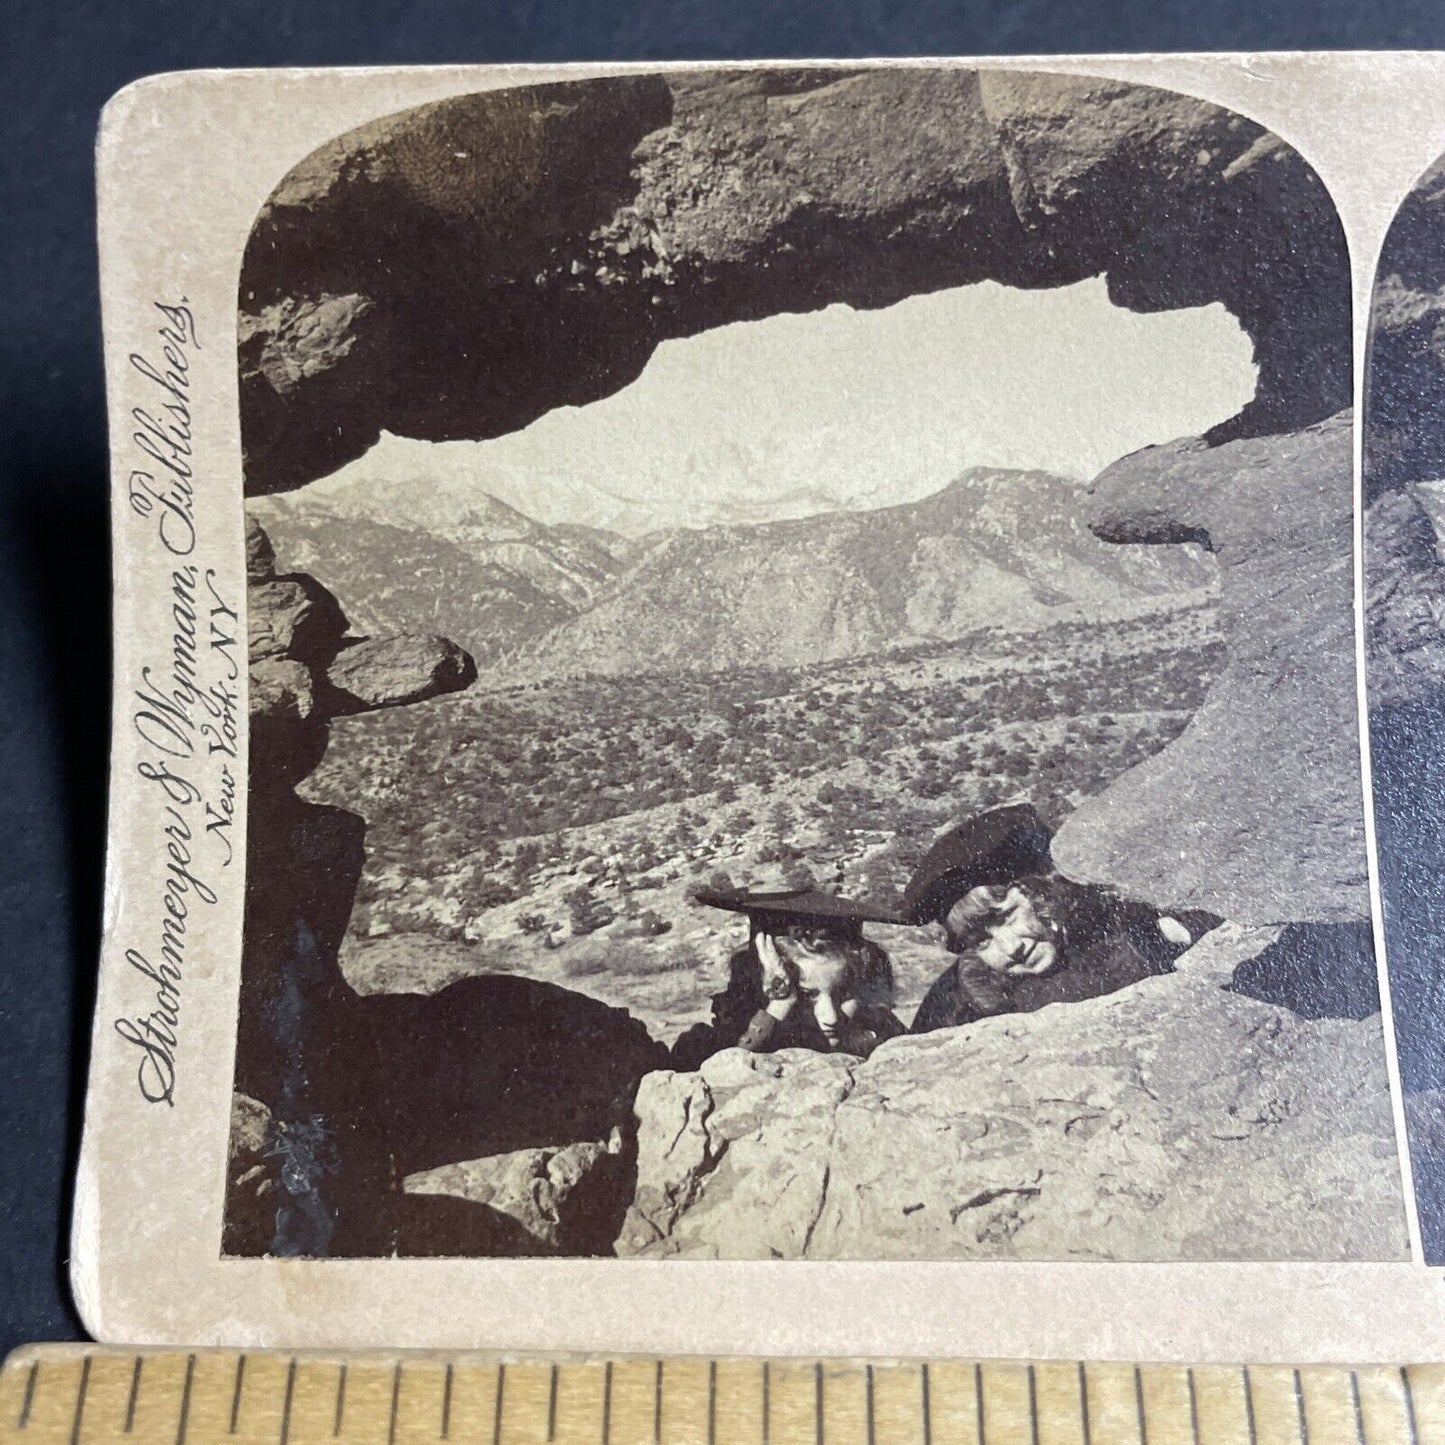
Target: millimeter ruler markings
(102, 1395)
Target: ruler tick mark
(927, 1405)
(395, 1403)
(236, 1393)
(286, 1404)
(446, 1430)
(868, 1398)
(1084, 1424)
(978, 1402)
(134, 1394)
(1033, 1407)
(552, 1406)
(1193, 1406)
(23, 1423)
(1299, 1406)
(712, 1402)
(497, 1408)
(1248, 1406)
(607, 1403)
(1410, 1421)
(1138, 1404)
(767, 1403)
(340, 1400)
(80, 1401)
(657, 1405)
(184, 1421)
(1359, 1409)
(818, 1403)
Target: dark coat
(963, 993)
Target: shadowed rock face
(1405, 435)
(1404, 447)
(1255, 811)
(1163, 1122)
(394, 671)
(460, 269)
(306, 1050)
(1404, 601)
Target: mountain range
(530, 600)
(470, 568)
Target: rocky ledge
(1176, 1119)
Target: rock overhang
(460, 269)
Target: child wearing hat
(1002, 935)
(808, 978)
(1022, 936)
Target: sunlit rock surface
(1255, 812)
(1175, 1119)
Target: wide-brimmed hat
(993, 847)
(800, 907)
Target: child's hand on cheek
(778, 988)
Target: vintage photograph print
(1404, 491)
(803, 683)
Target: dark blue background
(64, 60)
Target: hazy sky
(843, 409)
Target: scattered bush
(857, 754)
(587, 913)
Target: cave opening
(834, 409)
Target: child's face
(1019, 943)
(824, 987)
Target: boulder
(558, 1195)
(403, 251)
(281, 691)
(1174, 1120)
(294, 340)
(394, 672)
(260, 554)
(293, 617)
(1255, 812)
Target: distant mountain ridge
(471, 568)
(994, 547)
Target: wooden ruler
(84, 1394)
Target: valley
(790, 700)
(557, 829)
